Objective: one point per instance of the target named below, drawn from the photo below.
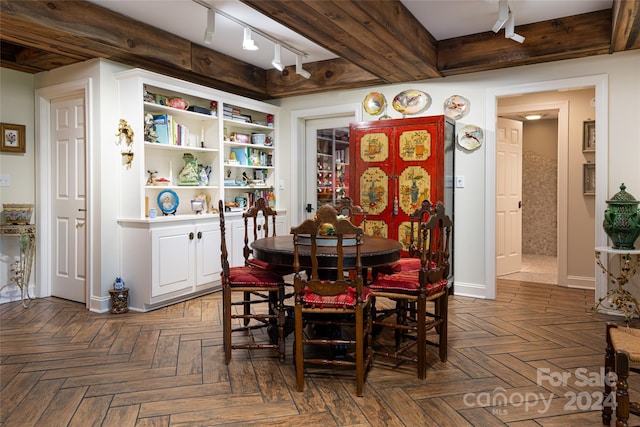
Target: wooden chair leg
(443, 311)
(247, 307)
(281, 320)
(622, 389)
(299, 348)
(226, 319)
(359, 351)
(609, 367)
(421, 337)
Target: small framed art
(13, 137)
(589, 179)
(589, 136)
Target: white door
(310, 197)
(68, 198)
(508, 196)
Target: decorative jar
(622, 219)
(17, 213)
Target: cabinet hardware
(191, 236)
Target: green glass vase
(622, 219)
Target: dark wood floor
(61, 365)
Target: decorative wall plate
(411, 101)
(168, 202)
(456, 107)
(470, 137)
(374, 103)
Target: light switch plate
(460, 181)
(5, 180)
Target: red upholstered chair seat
(405, 282)
(278, 269)
(344, 300)
(254, 276)
(403, 264)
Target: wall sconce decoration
(125, 134)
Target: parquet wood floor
(62, 365)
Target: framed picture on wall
(12, 138)
(589, 136)
(589, 179)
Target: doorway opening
(539, 175)
(600, 100)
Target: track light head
(503, 15)
(299, 70)
(211, 26)
(509, 29)
(247, 42)
(277, 61)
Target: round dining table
(374, 252)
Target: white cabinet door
(237, 241)
(235, 236)
(208, 263)
(173, 260)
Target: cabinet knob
(199, 234)
(191, 236)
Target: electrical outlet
(5, 180)
(281, 184)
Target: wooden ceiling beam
(83, 30)
(626, 25)
(564, 38)
(382, 38)
(336, 74)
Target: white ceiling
(442, 18)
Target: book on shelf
(162, 124)
(241, 156)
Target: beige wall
(16, 107)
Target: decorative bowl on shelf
(17, 213)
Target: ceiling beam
(383, 38)
(626, 25)
(83, 30)
(564, 38)
(377, 43)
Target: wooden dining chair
(409, 291)
(330, 303)
(260, 287)
(622, 356)
(346, 208)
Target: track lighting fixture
(211, 26)
(505, 16)
(247, 42)
(277, 60)
(299, 70)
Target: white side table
(618, 298)
(22, 271)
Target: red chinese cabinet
(395, 165)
